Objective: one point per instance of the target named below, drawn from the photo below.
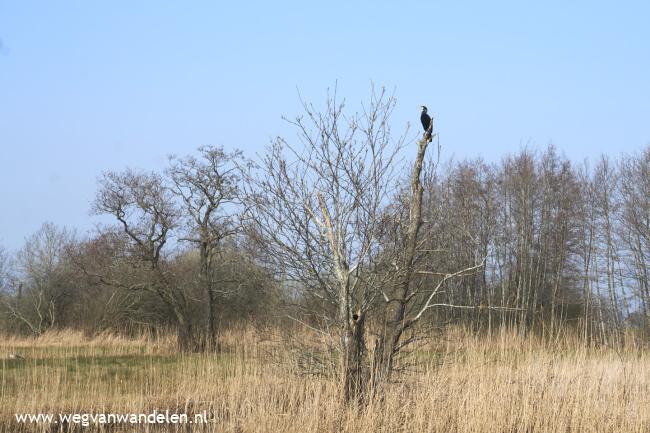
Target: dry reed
(503, 383)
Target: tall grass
(465, 383)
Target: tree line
(337, 232)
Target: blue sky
(88, 86)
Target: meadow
(461, 383)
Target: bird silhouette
(426, 122)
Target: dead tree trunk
(387, 346)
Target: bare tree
(5, 278)
(324, 211)
(42, 284)
(635, 226)
(4, 269)
(144, 209)
(208, 188)
(606, 187)
(319, 210)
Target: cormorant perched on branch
(425, 118)
(426, 122)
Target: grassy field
(477, 384)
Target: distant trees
(634, 229)
(538, 241)
(195, 203)
(176, 258)
(4, 269)
(5, 285)
(566, 246)
(43, 294)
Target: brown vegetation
(463, 383)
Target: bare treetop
(207, 186)
(142, 205)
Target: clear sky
(87, 86)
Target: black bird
(426, 123)
(425, 118)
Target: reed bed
(461, 383)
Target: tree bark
(211, 332)
(387, 346)
(354, 377)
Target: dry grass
(477, 384)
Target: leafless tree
(318, 210)
(208, 187)
(41, 286)
(145, 211)
(4, 268)
(323, 210)
(5, 277)
(607, 203)
(635, 226)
